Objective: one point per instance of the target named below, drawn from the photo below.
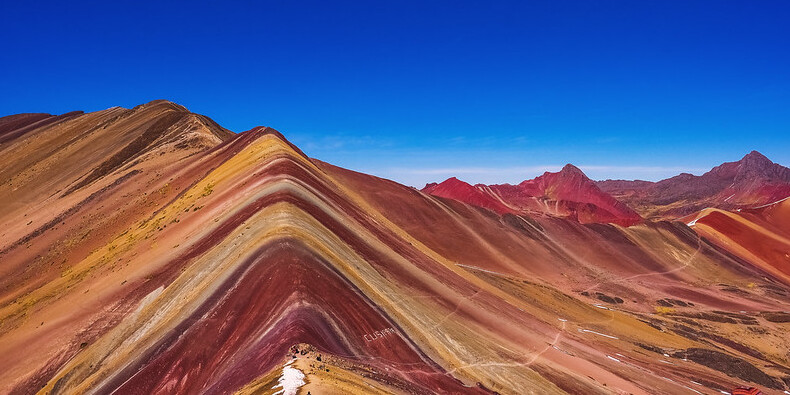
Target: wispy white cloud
(333, 142)
(472, 170)
(641, 169)
(419, 176)
(636, 170)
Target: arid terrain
(151, 251)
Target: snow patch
(481, 269)
(290, 380)
(598, 333)
(702, 213)
(770, 204)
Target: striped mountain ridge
(151, 251)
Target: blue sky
(419, 91)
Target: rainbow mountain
(151, 251)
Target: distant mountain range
(750, 182)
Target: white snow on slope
(291, 380)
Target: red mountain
(568, 193)
(752, 181)
(453, 188)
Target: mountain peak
(572, 170)
(450, 183)
(756, 159)
(453, 181)
(162, 103)
(755, 155)
(756, 166)
(260, 132)
(453, 188)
